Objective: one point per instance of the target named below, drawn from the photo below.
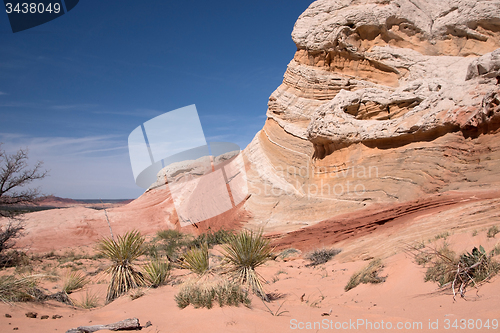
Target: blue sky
(73, 89)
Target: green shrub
(321, 256)
(288, 252)
(476, 266)
(442, 265)
(211, 238)
(492, 231)
(169, 243)
(123, 252)
(244, 252)
(458, 272)
(198, 296)
(203, 294)
(369, 274)
(423, 258)
(231, 294)
(169, 235)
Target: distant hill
(54, 201)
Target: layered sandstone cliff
(387, 119)
(385, 101)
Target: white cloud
(72, 106)
(83, 167)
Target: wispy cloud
(65, 147)
(3, 93)
(150, 113)
(18, 105)
(72, 106)
(79, 167)
(217, 138)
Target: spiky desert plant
(74, 280)
(122, 253)
(156, 272)
(196, 260)
(244, 252)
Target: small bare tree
(15, 174)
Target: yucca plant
(122, 253)
(156, 272)
(244, 252)
(73, 281)
(196, 260)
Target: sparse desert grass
(203, 294)
(70, 266)
(88, 301)
(137, 293)
(244, 252)
(314, 300)
(321, 256)
(14, 258)
(156, 272)
(276, 313)
(276, 276)
(74, 280)
(52, 275)
(25, 269)
(423, 258)
(496, 250)
(287, 253)
(196, 260)
(492, 231)
(459, 272)
(369, 274)
(18, 289)
(442, 235)
(122, 253)
(474, 233)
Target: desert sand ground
(305, 293)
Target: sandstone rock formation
(385, 101)
(388, 108)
